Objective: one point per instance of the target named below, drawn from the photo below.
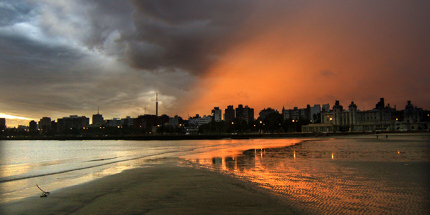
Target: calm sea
(353, 175)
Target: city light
(331, 122)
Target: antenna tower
(156, 104)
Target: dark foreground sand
(158, 189)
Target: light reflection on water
(346, 176)
(58, 164)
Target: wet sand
(158, 189)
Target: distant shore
(193, 136)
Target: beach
(167, 188)
(351, 175)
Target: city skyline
(67, 58)
(221, 114)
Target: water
(341, 176)
(361, 175)
(58, 164)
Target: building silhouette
(249, 112)
(72, 122)
(325, 107)
(2, 124)
(315, 115)
(45, 125)
(217, 114)
(245, 113)
(229, 113)
(127, 121)
(175, 121)
(115, 122)
(98, 119)
(296, 113)
(413, 119)
(198, 120)
(352, 119)
(33, 126)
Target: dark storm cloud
(32, 63)
(183, 34)
(90, 21)
(105, 18)
(12, 11)
(69, 56)
(61, 57)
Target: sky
(69, 57)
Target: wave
(17, 178)
(102, 159)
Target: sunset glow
(57, 62)
(302, 65)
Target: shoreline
(199, 136)
(167, 188)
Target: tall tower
(337, 113)
(98, 118)
(352, 116)
(156, 104)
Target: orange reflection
(232, 148)
(316, 181)
(297, 184)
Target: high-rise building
(315, 113)
(128, 121)
(326, 108)
(175, 121)
(239, 112)
(248, 114)
(32, 126)
(216, 114)
(45, 124)
(245, 113)
(98, 119)
(145, 121)
(229, 113)
(73, 122)
(337, 110)
(2, 124)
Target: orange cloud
(322, 55)
(267, 71)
